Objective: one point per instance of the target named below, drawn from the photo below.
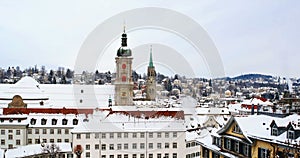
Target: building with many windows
(132, 134)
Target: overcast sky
(251, 36)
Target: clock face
(123, 66)
(123, 78)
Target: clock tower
(123, 82)
(151, 80)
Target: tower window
(123, 78)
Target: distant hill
(247, 77)
(252, 76)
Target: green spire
(151, 61)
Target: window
(29, 131)
(125, 146)
(37, 141)
(51, 140)
(166, 135)
(37, 131)
(87, 147)
(87, 154)
(246, 150)
(10, 137)
(10, 131)
(44, 140)
(174, 155)
(103, 135)
(54, 121)
(119, 156)
(125, 135)
(2, 132)
(158, 145)
(134, 146)
(75, 121)
(97, 135)
(125, 155)
(159, 155)
(43, 121)
(142, 135)
(119, 146)
(111, 135)
(64, 121)
(44, 131)
(67, 141)
(142, 146)
(150, 135)
(159, 135)
(236, 146)
(150, 155)
(150, 145)
(32, 121)
(166, 155)
(103, 156)
(97, 146)
(66, 131)
(10, 146)
(263, 153)
(119, 135)
(87, 136)
(236, 129)
(18, 132)
(2, 142)
(58, 140)
(51, 131)
(111, 147)
(142, 156)
(227, 143)
(174, 134)
(58, 131)
(291, 134)
(274, 132)
(78, 136)
(133, 135)
(175, 145)
(167, 145)
(134, 156)
(103, 147)
(111, 156)
(29, 141)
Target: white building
(131, 135)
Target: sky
(250, 36)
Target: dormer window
(32, 121)
(64, 121)
(236, 129)
(54, 121)
(274, 131)
(75, 121)
(290, 134)
(44, 121)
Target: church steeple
(124, 51)
(124, 38)
(151, 61)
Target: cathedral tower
(151, 80)
(123, 82)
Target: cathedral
(124, 82)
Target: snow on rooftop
(117, 122)
(34, 149)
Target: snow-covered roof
(35, 149)
(212, 111)
(118, 122)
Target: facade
(123, 82)
(122, 135)
(151, 80)
(264, 138)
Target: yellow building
(255, 136)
